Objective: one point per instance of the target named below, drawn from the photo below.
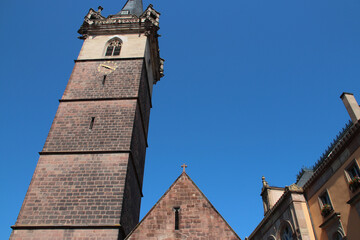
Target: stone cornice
(147, 24)
(95, 24)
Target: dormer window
(113, 48)
(125, 12)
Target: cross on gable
(184, 166)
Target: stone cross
(184, 166)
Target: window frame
(283, 225)
(116, 45)
(325, 211)
(282, 232)
(177, 210)
(352, 181)
(355, 165)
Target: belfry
(89, 177)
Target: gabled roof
(198, 217)
(134, 7)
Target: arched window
(286, 233)
(337, 236)
(113, 47)
(271, 237)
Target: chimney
(351, 106)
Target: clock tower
(88, 180)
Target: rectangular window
(353, 176)
(353, 170)
(325, 204)
(104, 79)
(325, 199)
(92, 123)
(177, 210)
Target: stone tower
(88, 180)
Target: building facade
(333, 190)
(88, 180)
(324, 203)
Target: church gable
(183, 212)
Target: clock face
(107, 67)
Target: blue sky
(251, 88)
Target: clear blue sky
(251, 88)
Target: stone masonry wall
(111, 130)
(84, 190)
(86, 82)
(145, 99)
(138, 146)
(65, 234)
(131, 202)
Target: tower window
(92, 123)
(113, 48)
(177, 211)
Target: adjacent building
(324, 203)
(332, 192)
(285, 214)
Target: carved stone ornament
(294, 187)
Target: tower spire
(132, 7)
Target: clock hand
(108, 67)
